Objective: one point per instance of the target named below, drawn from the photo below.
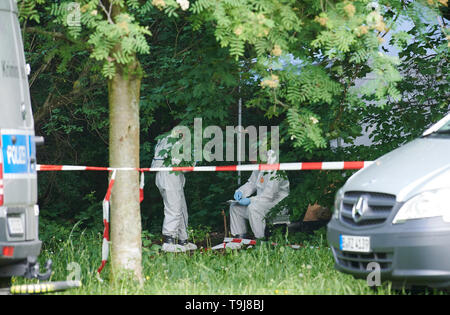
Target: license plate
(15, 225)
(355, 243)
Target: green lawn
(264, 269)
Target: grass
(262, 270)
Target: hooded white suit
(270, 190)
(171, 187)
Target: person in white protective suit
(270, 190)
(171, 187)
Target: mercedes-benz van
(393, 217)
(19, 242)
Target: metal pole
(239, 140)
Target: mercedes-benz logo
(359, 208)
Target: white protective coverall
(270, 190)
(171, 187)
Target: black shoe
(171, 245)
(169, 239)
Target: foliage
(113, 37)
(200, 233)
(425, 92)
(298, 65)
(326, 38)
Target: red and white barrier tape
(245, 241)
(105, 244)
(228, 240)
(141, 187)
(106, 201)
(300, 166)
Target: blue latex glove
(244, 201)
(237, 195)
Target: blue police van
(19, 212)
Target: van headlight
(338, 203)
(429, 204)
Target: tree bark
(126, 248)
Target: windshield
(439, 129)
(444, 129)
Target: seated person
(270, 190)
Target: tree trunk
(126, 249)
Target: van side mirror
(39, 141)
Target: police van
(19, 242)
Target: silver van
(19, 242)
(393, 217)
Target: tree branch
(58, 35)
